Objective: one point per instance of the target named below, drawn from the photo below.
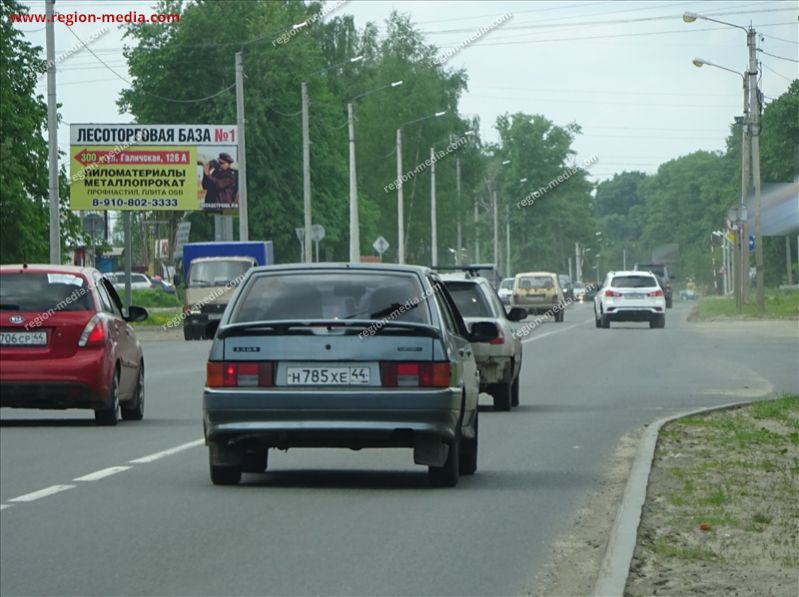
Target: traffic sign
(317, 232)
(751, 242)
(381, 245)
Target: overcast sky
(621, 70)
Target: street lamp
(741, 278)
(306, 152)
(753, 122)
(400, 203)
(355, 234)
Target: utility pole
(459, 235)
(496, 227)
(507, 243)
(476, 232)
(52, 138)
(244, 230)
(400, 203)
(578, 265)
(355, 235)
(306, 174)
(433, 222)
(743, 249)
(754, 114)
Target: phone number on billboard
(134, 202)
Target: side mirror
(211, 327)
(483, 331)
(136, 314)
(517, 314)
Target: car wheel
(108, 416)
(661, 321)
(559, 317)
(514, 392)
(597, 322)
(669, 302)
(605, 321)
(255, 461)
(502, 395)
(225, 475)
(468, 455)
(447, 475)
(134, 410)
(188, 334)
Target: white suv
(499, 361)
(630, 296)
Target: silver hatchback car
(342, 355)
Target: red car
(65, 343)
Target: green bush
(154, 298)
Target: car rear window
(507, 284)
(633, 282)
(536, 282)
(216, 273)
(43, 292)
(470, 300)
(331, 295)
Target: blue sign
(751, 242)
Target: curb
(615, 567)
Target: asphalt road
(130, 510)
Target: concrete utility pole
(400, 203)
(244, 227)
(52, 138)
(476, 233)
(507, 244)
(496, 226)
(306, 174)
(355, 234)
(433, 222)
(754, 114)
(459, 234)
(743, 249)
(578, 265)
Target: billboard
(154, 167)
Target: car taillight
(500, 339)
(657, 292)
(416, 375)
(238, 375)
(94, 334)
(613, 293)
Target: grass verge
(779, 304)
(721, 510)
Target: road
(130, 510)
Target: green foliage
(23, 151)
(154, 298)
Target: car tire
(501, 392)
(514, 392)
(669, 302)
(448, 474)
(225, 475)
(597, 322)
(559, 317)
(133, 410)
(188, 333)
(605, 322)
(660, 322)
(108, 416)
(255, 461)
(468, 451)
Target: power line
(775, 72)
(162, 98)
(775, 56)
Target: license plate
(634, 295)
(213, 316)
(23, 338)
(327, 376)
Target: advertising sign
(154, 167)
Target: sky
(621, 70)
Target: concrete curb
(615, 567)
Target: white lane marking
(169, 452)
(102, 474)
(558, 331)
(4, 506)
(37, 495)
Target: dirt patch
(721, 512)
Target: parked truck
(211, 272)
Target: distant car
(661, 271)
(688, 294)
(65, 343)
(539, 292)
(567, 285)
(342, 355)
(137, 281)
(579, 291)
(630, 296)
(159, 283)
(505, 290)
(499, 361)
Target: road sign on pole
(381, 246)
(751, 242)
